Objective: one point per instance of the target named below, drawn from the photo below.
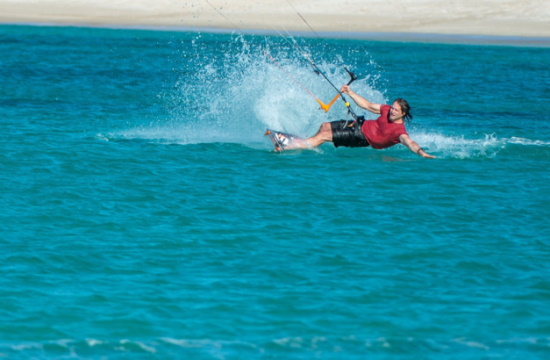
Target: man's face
(396, 113)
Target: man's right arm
(361, 101)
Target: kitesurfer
(387, 130)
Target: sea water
(145, 215)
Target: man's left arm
(414, 147)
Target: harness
(359, 120)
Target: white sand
(523, 18)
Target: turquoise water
(145, 215)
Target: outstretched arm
(361, 101)
(414, 147)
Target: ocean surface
(145, 216)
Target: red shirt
(381, 133)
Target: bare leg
(323, 135)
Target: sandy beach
(507, 18)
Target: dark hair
(405, 108)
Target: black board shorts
(348, 133)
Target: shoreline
(405, 37)
(496, 22)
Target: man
(387, 130)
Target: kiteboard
(283, 141)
